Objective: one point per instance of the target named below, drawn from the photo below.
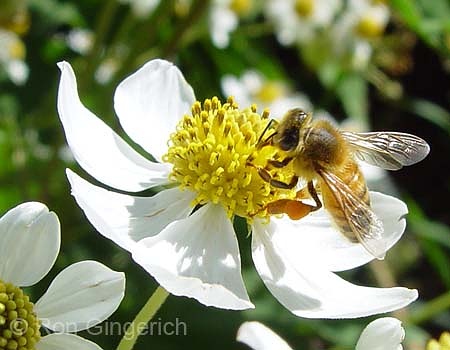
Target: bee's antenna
(259, 144)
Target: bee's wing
(387, 150)
(366, 226)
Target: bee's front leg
(266, 176)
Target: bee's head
(287, 136)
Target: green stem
(430, 309)
(142, 318)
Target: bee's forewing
(388, 150)
(366, 226)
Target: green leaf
(429, 19)
(434, 240)
(408, 11)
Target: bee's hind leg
(312, 191)
(295, 208)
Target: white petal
(259, 337)
(29, 243)
(127, 219)
(197, 257)
(384, 333)
(65, 341)
(81, 296)
(318, 240)
(150, 102)
(222, 23)
(309, 290)
(18, 71)
(97, 148)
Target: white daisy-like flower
(222, 22)
(361, 23)
(224, 18)
(81, 296)
(12, 57)
(106, 70)
(183, 236)
(80, 40)
(298, 21)
(253, 87)
(384, 333)
(141, 8)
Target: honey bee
(326, 158)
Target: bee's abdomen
(352, 176)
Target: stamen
(19, 326)
(369, 27)
(304, 8)
(211, 151)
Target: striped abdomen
(351, 175)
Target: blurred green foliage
(33, 156)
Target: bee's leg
(293, 208)
(265, 175)
(280, 164)
(313, 193)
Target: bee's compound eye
(289, 139)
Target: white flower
(12, 57)
(382, 334)
(362, 22)
(222, 22)
(196, 253)
(259, 337)
(141, 8)
(253, 87)
(79, 297)
(224, 18)
(80, 40)
(106, 70)
(298, 21)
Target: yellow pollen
(368, 27)
(270, 91)
(442, 344)
(241, 7)
(19, 326)
(214, 154)
(304, 8)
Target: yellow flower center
(241, 7)
(442, 344)
(17, 50)
(270, 91)
(214, 154)
(368, 27)
(19, 326)
(304, 8)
